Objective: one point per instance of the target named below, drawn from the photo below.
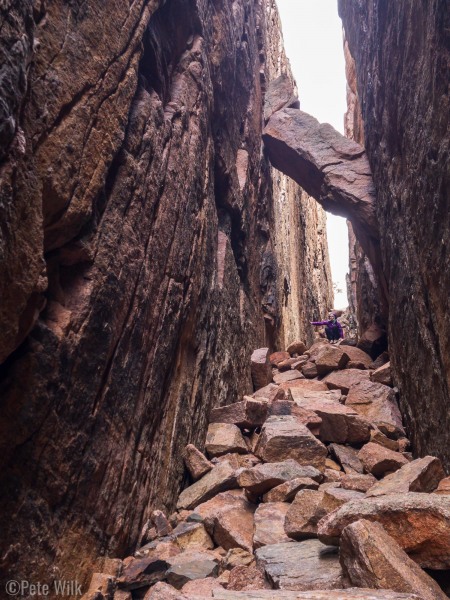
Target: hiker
(333, 329)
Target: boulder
(379, 461)
(377, 403)
(383, 375)
(344, 380)
(162, 548)
(290, 363)
(260, 368)
(228, 518)
(196, 462)
(304, 384)
(276, 357)
(268, 392)
(286, 491)
(377, 437)
(237, 461)
(421, 475)
(237, 557)
(357, 482)
(161, 523)
(142, 572)
(420, 523)
(347, 457)
(304, 514)
(223, 438)
(307, 565)
(303, 396)
(162, 591)
(191, 565)
(220, 478)
(309, 370)
(302, 415)
(335, 497)
(248, 414)
(269, 524)
(358, 359)
(201, 588)
(296, 347)
(444, 487)
(287, 376)
(283, 437)
(371, 558)
(247, 578)
(330, 358)
(262, 478)
(373, 340)
(192, 535)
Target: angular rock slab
(269, 524)
(348, 594)
(371, 558)
(308, 565)
(224, 438)
(379, 461)
(297, 347)
(141, 572)
(249, 413)
(260, 368)
(344, 380)
(287, 376)
(347, 457)
(383, 374)
(421, 475)
(285, 492)
(420, 524)
(330, 358)
(262, 478)
(358, 358)
(277, 357)
(191, 565)
(196, 462)
(284, 437)
(220, 479)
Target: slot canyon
(173, 427)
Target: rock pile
(306, 490)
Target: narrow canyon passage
(172, 425)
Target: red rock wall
(401, 53)
(138, 262)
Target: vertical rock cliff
(401, 52)
(139, 265)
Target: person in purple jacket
(333, 329)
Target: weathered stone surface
(379, 461)
(426, 536)
(383, 375)
(260, 366)
(269, 524)
(334, 497)
(348, 594)
(221, 478)
(377, 437)
(196, 462)
(262, 478)
(276, 357)
(161, 523)
(286, 491)
(418, 280)
(237, 557)
(302, 396)
(378, 404)
(307, 565)
(247, 578)
(358, 482)
(141, 572)
(421, 475)
(202, 588)
(191, 565)
(297, 347)
(249, 413)
(223, 438)
(284, 437)
(330, 358)
(347, 457)
(304, 514)
(237, 461)
(287, 376)
(160, 548)
(190, 535)
(357, 357)
(268, 392)
(280, 94)
(344, 380)
(371, 558)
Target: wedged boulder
(196, 462)
(371, 558)
(276, 357)
(285, 492)
(347, 457)
(260, 368)
(358, 358)
(307, 565)
(191, 565)
(377, 403)
(330, 358)
(373, 340)
(297, 347)
(269, 524)
(287, 376)
(379, 461)
(420, 523)
(348, 594)
(142, 572)
(219, 479)
(358, 482)
(344, 380)
(224, 438)
(284, 437)
(383, 374)
(421, 475)
(280, 94)
(249, 413)
(228, 518)
(262, 478)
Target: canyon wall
(142, 258)
(401, 52)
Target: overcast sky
(312, 32)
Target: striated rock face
(138, 269)
(403, 92)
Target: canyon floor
(305, 490)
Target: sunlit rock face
(139, 267)
(401, 52)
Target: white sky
(312, 32)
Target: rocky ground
(306, 489)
